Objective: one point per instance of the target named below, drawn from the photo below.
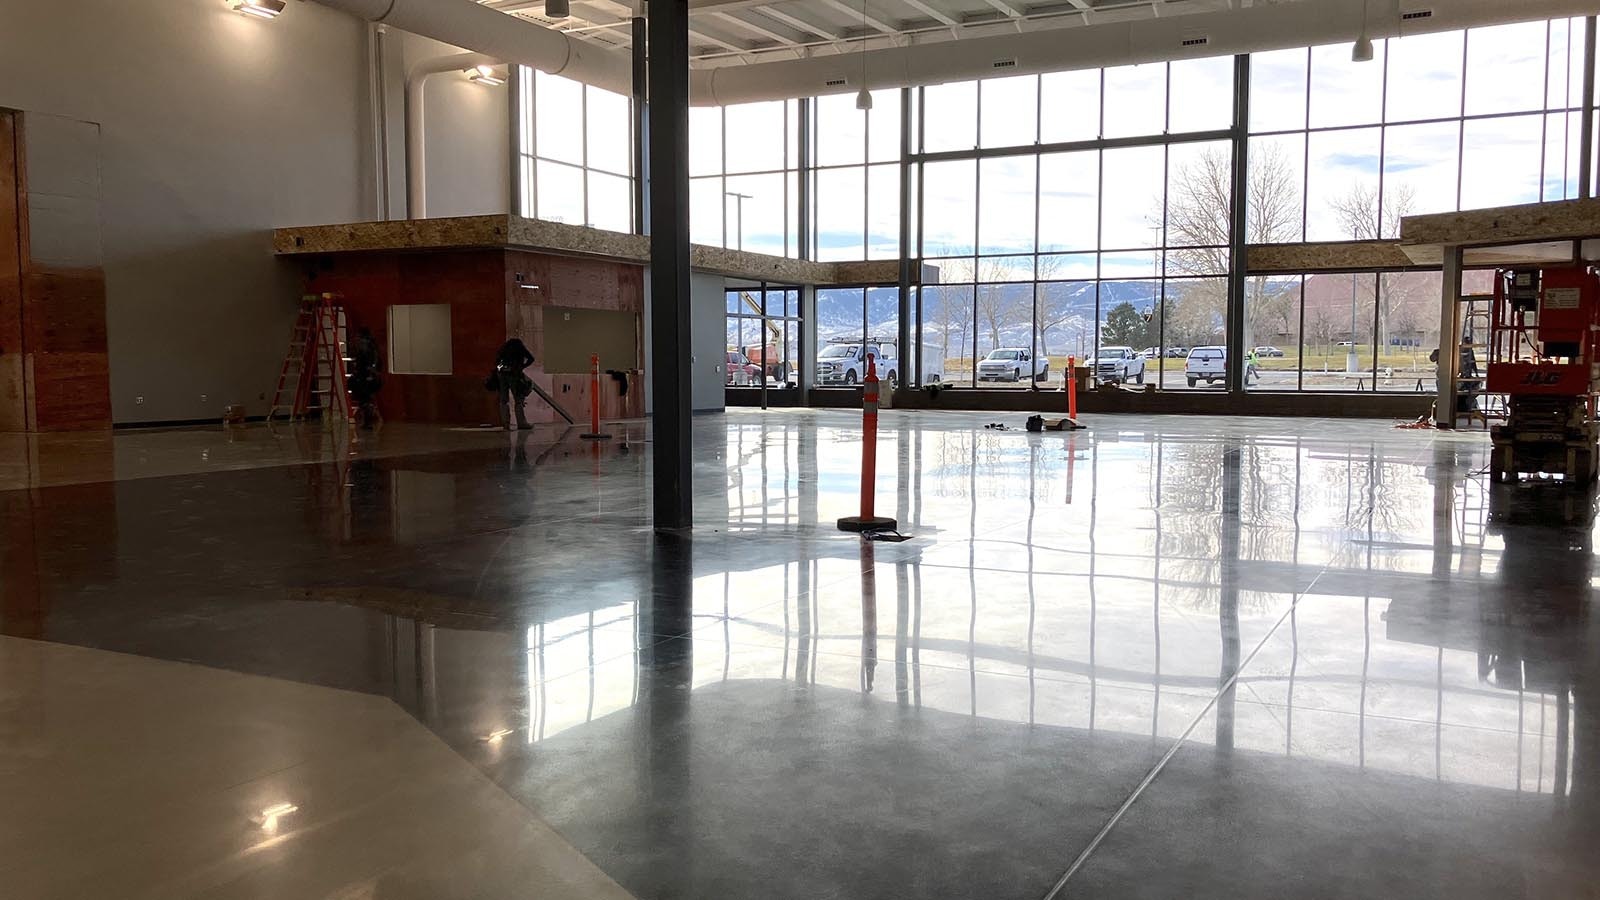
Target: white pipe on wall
(416, 130)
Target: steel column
(1237, 231)
(641, 128)
(1444, 409)
(668, 32)
(908, 353)
(1586, 139)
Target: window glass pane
(1005, 268)
(1066, 320)
(609, 126)
(1337, 355)
(1135, 100)
(610, 202)
(954, 122)
(1069, 205)
(755, 137)
(1131, 264)
(1006, 204)
(1202, 94)
(558, 108)
(1565, 80)
(1275, 202)
(841, 213)
(948, 324)
(560, 193)
(1424, 77)
(1192, 314)
(1345, 92)
(705, 211)
(883, 316)
(839, 315)
(1500, 161)
(1130, 211)
(529, 188)
(705, 140)
(883, 127)
(791, 226)
(1068, 266)
(841, 131)
(1419, 172)
(883, 212)
(1272, 323)
(1561, 155)
(1005, 315)
(1070, 106)
(1010, 111)
(1199, 196)
(1408, 327)
(1342, 185)
(1278, 90)
(1123, 309)
(1506, 68)
(756, 221)
(949, 207)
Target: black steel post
(1586, 140)
(907, 352)
(668, 27)
(641, 128)
(1237, 227)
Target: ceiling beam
(716, 41)
(860, 13)
(759, 30)
(1010, 12)
(931, 13)
(803, 25)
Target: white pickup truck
(845, 363)
(1117, 365)
(1011, 363)
(1208, 364)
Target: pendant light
(557, 9)
(863, 97)
(1362, 50)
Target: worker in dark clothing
(512, 385)
(366, 377)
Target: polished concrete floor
(1162, 657)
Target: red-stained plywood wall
(488, 302)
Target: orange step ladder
(315, 373)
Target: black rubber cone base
(860, 524)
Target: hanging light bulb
(864, 99)
(557, 9)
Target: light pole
(738, 220)
(1351, 364)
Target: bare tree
(1199, 212)
(1366, 215)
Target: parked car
(1117, 365)
(1345, 344)
(845, 362)
(1208, 364)
(1177, 352)
(740, 370)
(1011, 363)
(1268, 351)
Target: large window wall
(763, 331)
(744, 177)
(1077, 212)
(576, 152)
(1071, 211)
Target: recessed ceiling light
(261, 9)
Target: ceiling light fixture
(557, 9)
(485, 75)
(261, 9)
(1362, 50)
(863, 97)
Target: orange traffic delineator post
(867, 521)
(1072, 388)
(595, 434)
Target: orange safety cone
(867, 521)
